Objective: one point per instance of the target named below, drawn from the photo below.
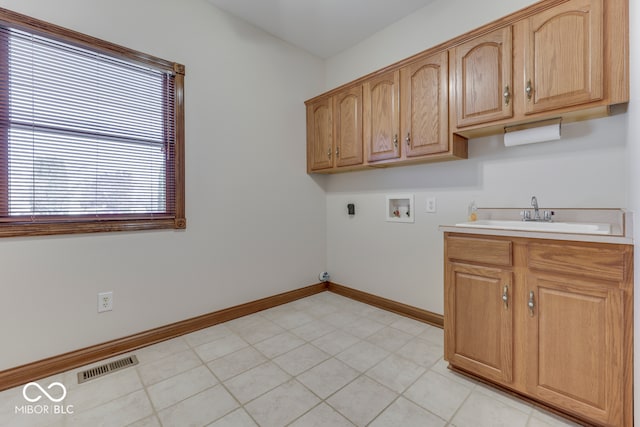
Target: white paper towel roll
(533, 135)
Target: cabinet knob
(408, 139)
(505, 296)
(507, 95)
(329, 153)
(395, 140)
(531, 303)
(529, 90)
(337, 151)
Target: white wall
(256, 220)
(438, 22)
(404, 262)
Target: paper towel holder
(527, 135)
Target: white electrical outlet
(105, 301)
(431, 205)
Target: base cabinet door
(479, 320)
(573, 345)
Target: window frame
(70, 224)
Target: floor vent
(107, 368)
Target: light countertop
(619, 219)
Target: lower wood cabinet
(482, 338)
(549, 320)
(574, 346)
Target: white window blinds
(82, 134)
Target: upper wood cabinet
(320, 135)
(382, 116)
(569, 59)
(561, 65)
(482, 78)
(564, 52)
(556, 59)
(334, 131)
(400, 116)
(347, 120)
(425, 105)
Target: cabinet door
(478, 320)
(425, 105)
(574, 346)
(382, 116)
(564, 56)
(319, 135)
(483, 78)
(347, 109)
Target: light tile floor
(320, 361)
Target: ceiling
(322, 27)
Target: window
(91, 134)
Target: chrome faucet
(526, 215)
(536, 211)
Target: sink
(549, 227)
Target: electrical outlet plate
(105, 301)
(431, 205)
